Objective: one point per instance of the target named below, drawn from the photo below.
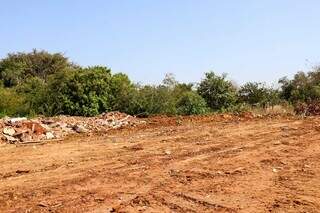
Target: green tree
(149, 100)
(304, 87)
(217, 91)
(12, 103)
(190, 103)
(79, 91)
(253, 93)
(121, 92)
(34, 92)
(273, 97)
(17, 67)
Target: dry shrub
(283, 109)
(308, 109)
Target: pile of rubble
(23, 130)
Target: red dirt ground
(194, 164)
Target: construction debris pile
(23, 130)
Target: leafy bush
(43, 83)
(149, 100)
(258, 94)
(253, 93)
(190, 103)
(238, 108)
(34, 92)
(11, 103)
(80, 91)
(218, 92)
(17, 67)
(121, 92)
(162, 99)
(304, 87)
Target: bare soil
(192, 164)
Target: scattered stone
(110, 210)
(276, 169)
(9, 131)
(10, 139)
(42, 204)
(277, 143)
(20, 133)
(220, 172)
(285, 142)
(238, 170)
(99, 199)
(167, 152)
(14, 120)
(22, 171)
(80, 129)
(47, 121)
(49, 136)
(35, 127)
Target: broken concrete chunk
(50, 136)
(9, 131)
(14, 120)
(80, 129)
(10, 139)
(35, 127)
(47, 121)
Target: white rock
(14, 120)
(9, 131)
(167, 152)
(10, 139)
(49, 136)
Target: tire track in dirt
(211, 167)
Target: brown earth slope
(172, 165)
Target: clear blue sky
(251, 40)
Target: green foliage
(218, 92)
(258, 94)
(34, 92)
(43, 83)
(190, 103)
(273, 97)
(150, 100)
(121, 92)
(80, 91)
(238, 108)
(17, 67)
(253, 93)
(304, 87)
(11, 103)
(181, 88)
(162, 99)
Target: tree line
(42, 83)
